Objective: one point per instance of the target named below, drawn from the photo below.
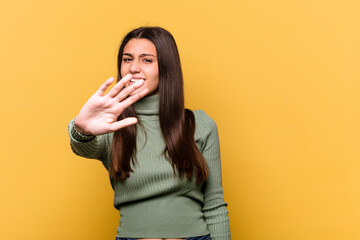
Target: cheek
(155, 78)
(124, 70)
(153, 82)
(155, 75)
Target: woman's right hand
(99, 114)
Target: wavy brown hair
(177, 123)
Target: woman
(163, 160)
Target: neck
(149, 105)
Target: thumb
(123, 123)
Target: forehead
(140, 46)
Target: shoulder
(202, 119)
(205, 126)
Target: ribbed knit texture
(154, 203)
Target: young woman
(163, 160)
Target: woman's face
(140, 60)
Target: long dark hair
(177, 123)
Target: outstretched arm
(99, 114)
(88, 131)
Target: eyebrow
(141, 55)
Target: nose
(135, 67)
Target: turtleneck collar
(148, 105)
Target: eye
(147, 60)
(127, 59)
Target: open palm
(99, 114)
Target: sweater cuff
(77, 135)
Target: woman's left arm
(215, 211)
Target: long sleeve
(94, 147)
(215, 211)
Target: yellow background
(281, 79)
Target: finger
(128, 90)
(104, 86)
(120, 85)
(123, 123)
(130, 100)
(119, 108)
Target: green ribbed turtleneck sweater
(153, 203)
